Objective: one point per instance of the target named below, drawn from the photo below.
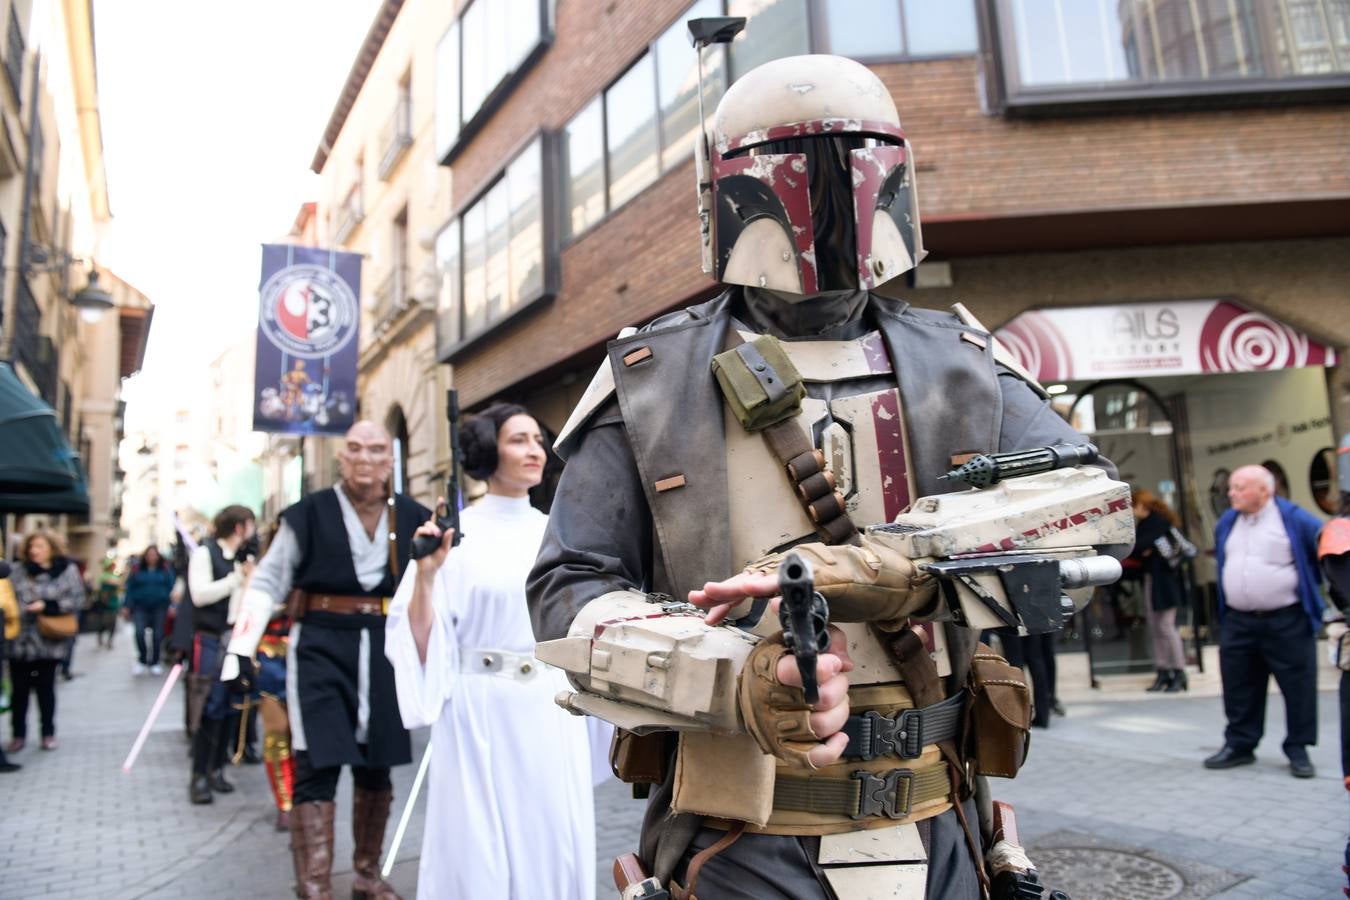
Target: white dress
(510, 812)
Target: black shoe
(251, 757)
(1161, 682)
(1300, 766)
(219, 784)
(199, 791)
(1057, 708)
(9, 767)
(1177, 682)
(1229, 757)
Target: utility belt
(501, 663)
(302, 602)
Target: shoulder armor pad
(1002, 355)
(597, 392)
(1335, 538)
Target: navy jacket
(1302, 528)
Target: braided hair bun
(478, 438)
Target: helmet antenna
(703, 32)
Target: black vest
(213, 618)
(325, 565)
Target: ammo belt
(906, 733)
(347, 604)
(863, 795)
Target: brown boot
(370, 810)
(312, 849)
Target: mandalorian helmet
(808, 182)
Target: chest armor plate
(852, 413)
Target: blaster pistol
(805, 617)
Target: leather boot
(1161, 682)
(370, 811)
(1177, 682)
(312, 849)
(219, 753)
(199, 789)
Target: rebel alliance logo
(308, 311)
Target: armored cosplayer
(336, 560)
(833, 746)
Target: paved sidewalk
(1113, 802)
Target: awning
(38, 470)
(1135, 340)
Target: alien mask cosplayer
(792, 412)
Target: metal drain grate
(1086, 873)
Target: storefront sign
(308, 318)
(1137, 340)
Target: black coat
(1166, 590)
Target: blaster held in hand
(805, 617)
(447, 513)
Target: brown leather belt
(347, 605)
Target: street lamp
(91, 300)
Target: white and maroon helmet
(809, 181)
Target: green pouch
(759, 382)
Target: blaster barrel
(987, 469)
(1088, 571)
(805, 617)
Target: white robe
(510, 811)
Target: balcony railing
(391, 294)
(396, 136)
(349, 215)
(31, 348)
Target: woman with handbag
(50, 592)
(1159, 549)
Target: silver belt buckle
(489, 662)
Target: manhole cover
(1089, 872)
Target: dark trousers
(1036, 653)
(38, 675)
(321, 784)
(152, 620)
(1254, 646)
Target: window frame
(818, 34)
(496, 94)
(549, 184)
(1008, 97)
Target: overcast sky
(211, 113)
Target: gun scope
(987, 469)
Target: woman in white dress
(510, 813)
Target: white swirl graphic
(1252, 342)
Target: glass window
(524, 30)
(774, 29)
(1053, 43)
(630, 123)
(498, 246)
(936, 27)
(473, 24)
(475, 267)
(496, 65)
(524, 181)
(863, 28)
(677, 84)
(447, 301)
(584, 169)
(447, 90)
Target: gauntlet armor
(776, 715)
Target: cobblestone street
(1113, 802)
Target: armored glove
(867, 583)
(775, 714)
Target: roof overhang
(356, 78)
(134, 324)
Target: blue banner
(309, 316)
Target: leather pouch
(998, 724)
(761, 385)
(638, 759)
(723, 776)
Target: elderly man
(1271, 610)
(342, 549)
